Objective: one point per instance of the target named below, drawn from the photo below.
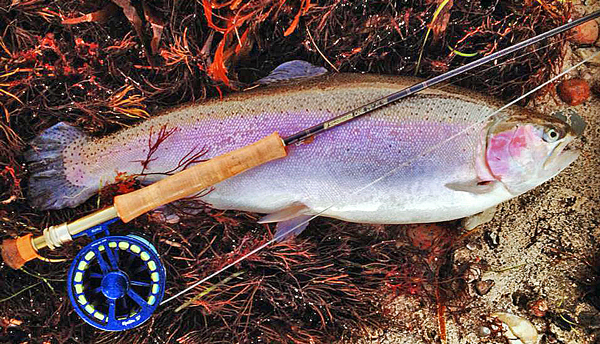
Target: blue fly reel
(116, 282)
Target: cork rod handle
(199, 177)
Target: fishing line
(361, 189)
(513, 59)
(507, 61)
(392, 98)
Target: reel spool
(116, 282)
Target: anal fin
(292, 227)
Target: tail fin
(49, 187)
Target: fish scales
(323, 175)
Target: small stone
(539, 308)
(472, 246)
(484, 287)
(492, 239)
(165, 216)
(586, 33)
(520, 327)
(172, 219)
(574, 91)
(472, 274)
(483, 331)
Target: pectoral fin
(474, 186)
(291, 221)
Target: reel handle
(199, 177)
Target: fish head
(526, 148)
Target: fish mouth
(561, 156)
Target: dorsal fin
(290, 71)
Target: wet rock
(484, 287)
(492, 239)
(574, 91)
(521, 328)
(539, 308)
(586, 33)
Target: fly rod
(16, 252)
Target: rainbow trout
(471, 163)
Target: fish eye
(551, 134)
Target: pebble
(574, 91)
(492, 239)
(484, 287)
(483, 331)
(165, 216)
(472, 274)
(586, 33)
(472, 246)
(521, 328)
(539, 308)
